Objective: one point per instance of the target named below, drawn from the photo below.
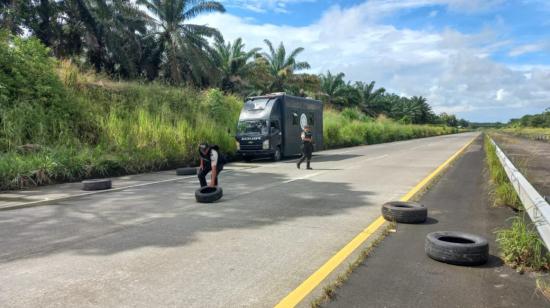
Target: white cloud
(524, 49)
(376, 8)
(450, 68)
(433, 13)
(263, 6)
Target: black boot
(308, 166)
(298, 165)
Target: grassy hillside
(58, 124)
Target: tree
(233, 62)
(332, 88)
(423, 110)
(370, 97)
(183, 45)
(281, 67)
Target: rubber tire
(186, 171)
(101, 184)
(206, 195)
(276, 157)
(404, 212)
(475, 253)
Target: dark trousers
(202, 175)
(307, 151)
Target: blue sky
(484, 60)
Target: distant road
(153, 245)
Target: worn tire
(186, 171)
(100, 184)
(457, 248)
(208, 194)
(404, 212)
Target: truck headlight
(238, 145)
(265, 145)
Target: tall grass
(522, 247)
(504, 193)
(350, 128)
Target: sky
(483, 60)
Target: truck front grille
(251, 147)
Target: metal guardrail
(535, 205)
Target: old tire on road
(186, 171)
(208, 194)
(100, 184)
(457, 248)
(404, 212)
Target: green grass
(504, 193)
(522, 247)
(349, 129)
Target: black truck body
(271, 125)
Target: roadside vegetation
(503, 191)
(351, 127)
(520, 244)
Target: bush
(34, 105)
(522, 247)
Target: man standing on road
(211, 160)
(307, 147)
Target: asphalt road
(154, 245)
(399, 274)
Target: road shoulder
(399, 274)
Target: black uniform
(307, 149)
(207, 166)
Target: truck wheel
(100, 184)
(404, 212)
(208, 194)
(277, 155)
(457, 248)
(186, 171)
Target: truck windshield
(252, 127)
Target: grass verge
(522, 247)
(503, 193)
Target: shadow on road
(167, 215)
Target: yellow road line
(298, 294)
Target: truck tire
(457, 248)
(404, 212)
(186, 171)
(208, 194)
(277, 155)
(100, 184)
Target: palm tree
(424, 110)
(183, 45)
(233, 62)
(333, 87)
(280, 66)
(370, 97)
